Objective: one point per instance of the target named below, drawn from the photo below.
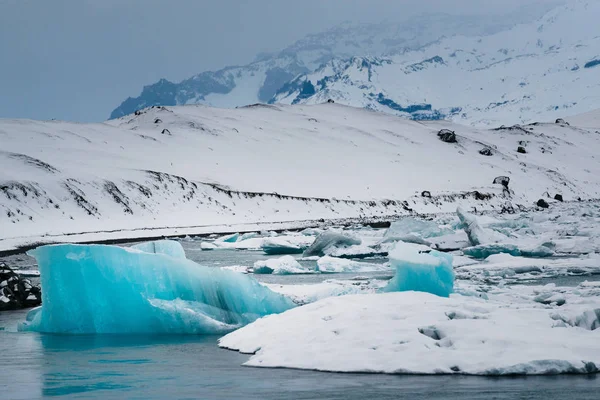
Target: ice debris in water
(422, 272)
(333, 265)
(474, 231)
(167, 247)
(277, 246)
(328, 240)
(413, 230)
(486, 250)
(285, 265)
(229, 238)
(110, 289)
(208, 246)
(356, 251)
(248, 235)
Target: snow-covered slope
(535, 71)
(260, 80)
(207, 168)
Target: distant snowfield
(194, 169)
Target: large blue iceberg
(422, 272)
(148, 289)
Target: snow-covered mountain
(260, 80)
(195, 169)
(535, 71)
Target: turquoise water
(193, 367)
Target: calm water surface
(190, 367)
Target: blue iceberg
(166, 247)
(109, 289)
(429, 272)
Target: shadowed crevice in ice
(109, 289)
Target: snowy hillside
(195, 169)
(536, 71)
(260, 80)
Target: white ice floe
(412, 332)
(332, 265)
(286, 265)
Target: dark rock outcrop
(447, 136)
(562, 122)
(426, 193)
(542, 203)
(486, 151)
(558, 197)
(521, 150)
(17, 292)
(502, 180)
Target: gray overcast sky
(78, 59)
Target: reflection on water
(158, 367)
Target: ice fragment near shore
(328, 240)
(109, 289)
(412, 230)
(422, 272)
(286, 265)
(278, 246)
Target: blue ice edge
(150, 288)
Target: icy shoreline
(20, 245)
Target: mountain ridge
(259, 81)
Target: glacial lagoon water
(188, 367)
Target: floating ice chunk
(286, 265)
(246, 236)
(229, 238)
(110, 289)
(472, 227)
(310, 232)
(413, 230)
(208, 246)
(328, 240)
(356, 251)
(277, 246)
(423, 272)
(332, 265)
(419, 333)
(540, 251)
(485, 250)
(167, 247)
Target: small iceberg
(229, 238)
(285, 265)
(429, 272)
(357, 251)
(413, 230)
(278, 246)
(328, 240)
(90, 289)
(333, 265)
